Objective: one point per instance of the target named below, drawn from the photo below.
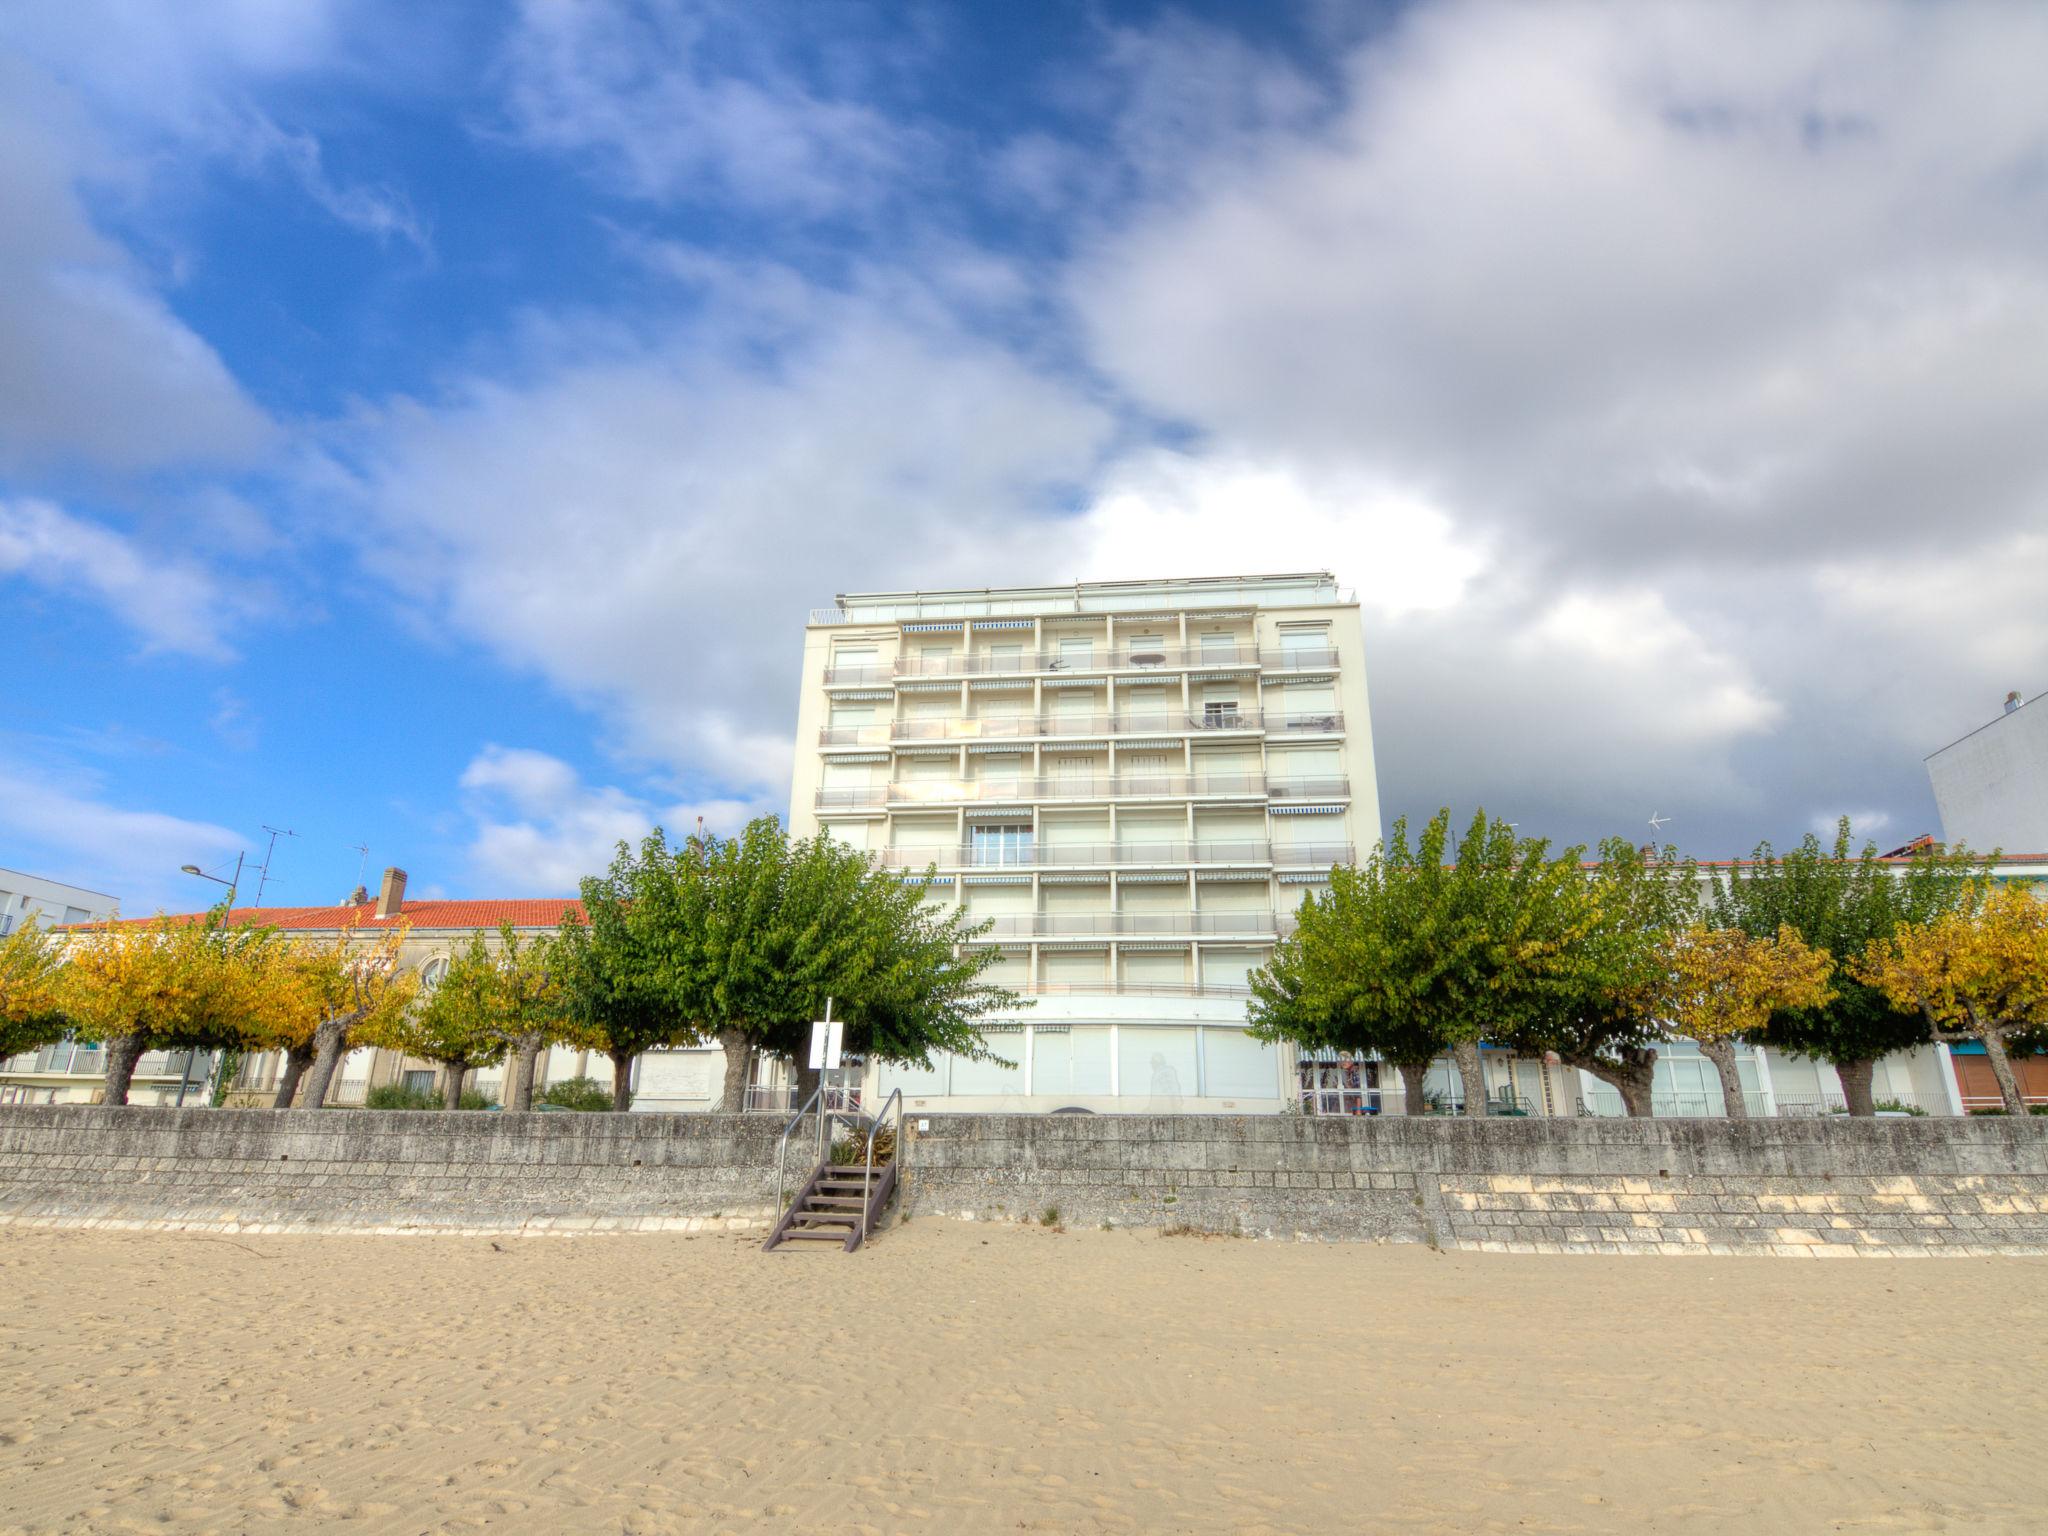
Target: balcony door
(1001, 844)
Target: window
(1346, 1086)
(1075, 652)
(1067, 1063)
(433, 973)
(1006, 658)
(1235, 1066)
(1220, 714)
(418, 1082)
(999, 845)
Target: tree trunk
(1856, 1076)
(1634, 1078)
(1412, 1075)
(2001, 1068)
(1722, 1054)
(123, 1052)
(519, 1073)
(330, 1044)
(296, 1061)
(803, 1082)
(452, 1075)
(739, 1060)
(1472, 1073)
(622, 1081)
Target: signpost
(828, 1041)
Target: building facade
(25, 897)
(1134, 783)
(1991, 786)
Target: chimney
(2012, 701)
(391, 894)
(356, 897)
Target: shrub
(398, 1096)
(1898, 1107)
(580, 1093)
(852, 1152)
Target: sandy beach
(957, 1377)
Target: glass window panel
(988, 1077)
(1156, 1068)
(1069, 1063)
(1237, 1066)
(915, 1081)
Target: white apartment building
(50, 902)
(1135, 783)
(1992, 785)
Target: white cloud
(94, 366)
(63, 833)
(646, 523)
(1719, 334)
(693, 104)
(174, 604)
(540, 829)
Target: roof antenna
(275, 834)
(1658, 823)
(362, 860)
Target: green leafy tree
(460, 1025)
(1424, 949)
(1843, 901)
(533, 1005)
(1595, 1001)
(743, 939)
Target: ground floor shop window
(1344, 1086)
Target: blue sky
(426, 427)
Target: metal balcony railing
(1333, 788)
(1101, 658)
(1313, 855)
(836, 677)
(880, 733)
(1030, 854)
(1300, 658)
(1108, 924)
(1120, 988)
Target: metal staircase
(837, 1203)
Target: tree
(743, 940)
(1842, 902)
(1976, 972)
(1723, 985)
(341, 989)
(532, 1006)
(164, 985)
(1419, 951)
(31, 1009)
(460, 1024)
(1594, 1003)
(619, 965)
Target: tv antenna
(1658, 823)
(264, 873)
(362, 860)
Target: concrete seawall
(1830, 1187)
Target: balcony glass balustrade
(1028, 853)
(1055, 726)
(1069, 925)
(1070, 787)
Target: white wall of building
(1992, 786)
(49, 902)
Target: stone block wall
(1823, 1187)
(387, 1170)
(1830, 1187)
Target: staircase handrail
(782, 1147)
(868, 1172)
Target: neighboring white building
(1134, 782)
(1992, 786)
(50, 902)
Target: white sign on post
(828, 1037)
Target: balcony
(1070, 925)
(1332, 788)
(1055, 727)
(1119, 988)
(846, 677)
(1165, 658)
(1034, 855)
(1079, 787)
(1313, 855)
(1300, 658)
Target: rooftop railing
(1102, 658)
(1028, 853)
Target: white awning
(1151, 879)
(931, 627)
(1005, 684)
(1000, 749)
(1180, 945)
(1073, 682)
(1094, 944)
(981, 624)
(1102, 879)
(1306, 879)
(995, 879)
(1233, 876)
(840, 692)
(923, 752)
(998, 813)
(927, 687)
(855, 757)
(1307, 810)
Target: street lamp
(185, 1077)
(194, 869)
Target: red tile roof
(525, 912)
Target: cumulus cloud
(645, 523)
(174, 604)
(539, 827)
(1718, 329)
